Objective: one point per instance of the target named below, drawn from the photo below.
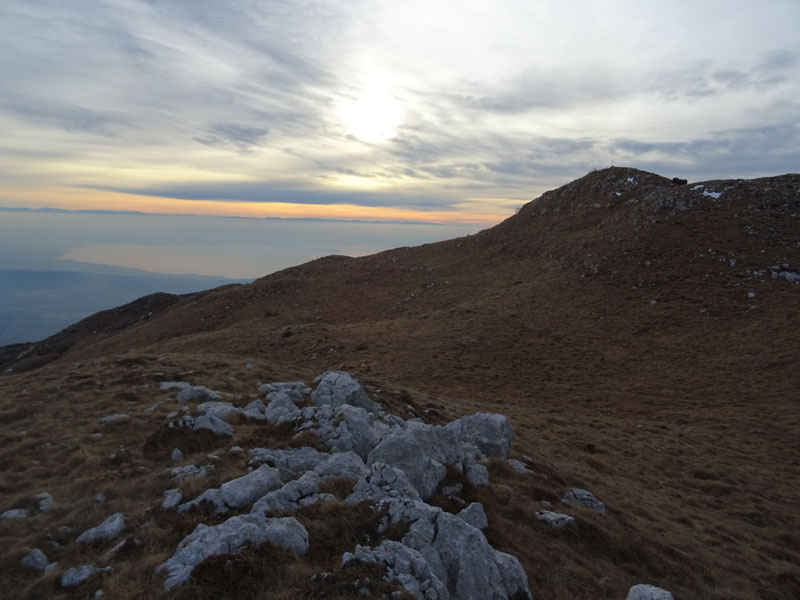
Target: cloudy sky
(425, 110)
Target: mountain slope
(641, 335)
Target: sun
(372, 116)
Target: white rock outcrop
(579, 497)
(554, 519)
(240, 492)
(231, 537)
(197, 393)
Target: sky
(441, 112)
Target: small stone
(14, 513)
(107, 530)
(101, 498)
(171, 498)
(644, 591)
(519, 466)
(115, 419)
(77, 575)
(577, 496)
(751, 295)
(46, 502)
(177, 455)
(554, 519)
(36, 560)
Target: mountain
(640, 333)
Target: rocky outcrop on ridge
(393, 466)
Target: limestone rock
(171, 498)
(554, 519)
(295, 494)
(281, 409)
(404, 564)
(294, 461)
(171, 385)
(15, 513)
(231, 537)
(177, 455)
(519, 466)
(218, 409)
(643, 591)
(197, 393)
(207, 422)
(107, 530)
(256, 410)
(475, 516)
(490, 433)
(178, 474)
(339, 387)
(293, 389)
(476, 474)
(36, 560)
(239, 492)
(577, 496)
(46, 502)
(115, 419)
(77, 575)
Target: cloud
(230, 135)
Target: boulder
(171, 498)
(107, 530)
(292, 496)
(476, 474)
(579, 497)
(205, 422)
(239, 492)
(335, 388)
(281, 409)
(231, 537)
(345, 428)
(475, 516)
(197, 393)
(294, 461)
(644, 591)
(293, 389)
(490, 433)
(36, 560)
(554, 519)
(343, 464)
(218, 409)
(402, 564)
(255, 410)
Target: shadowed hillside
(641, 335)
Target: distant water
(57, 268)
(219, 246)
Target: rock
(107, 530)
(171, 385)
(221, 410)
(171, 498)
(519, 466)
(554, 519)
(177, 455)
(46, 502)
(405, 565)
(115, 419)
(292, 496)
(343, 464)
(490, 433)
(207, 422)
(15, 513)
(98, 594)
(239, 492)
(197, 393)
(100, 498)
(293, 389)
(281, 409)
(381, 484)
(231, 537)
(77, 575)
(475, 516)
(294, 461)
(255, 410)
(648, 592)
(178, 474)
(113, 551)
(36, 560)
(476, 474)
(335, 388)
(577, 496)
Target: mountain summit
(639, 333)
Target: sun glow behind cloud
(446, 111)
